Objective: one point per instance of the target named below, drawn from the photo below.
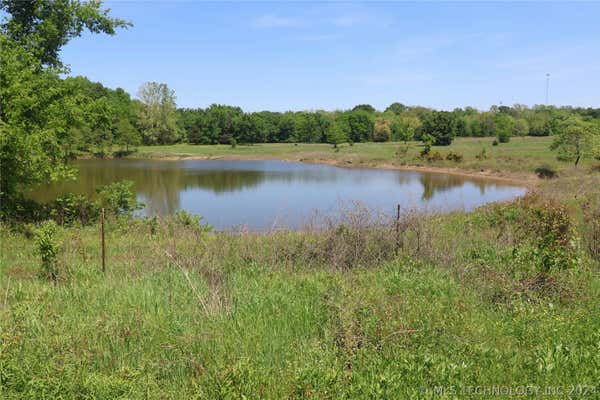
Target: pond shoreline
(528, 180)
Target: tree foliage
(441, 125)
(41, 116)
(43, 27)
(576, 139)
(158, 113)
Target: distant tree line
(113, 118)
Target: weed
(48, 248)
(482, 155)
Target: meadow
(519, 158)
(431, 306)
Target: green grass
(295, 314)
(520, 155)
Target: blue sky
(296, 56)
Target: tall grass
(345, 309)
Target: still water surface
(257, 194)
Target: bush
(191, 221)
(428, 141)
(435, 156)
(495, 142)
(118, 198)
(233, 143)
(71, 208)
(503, 137)
(452, 156)
(548, 226)
(545, 172)
(48, 248)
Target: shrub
(550, 229)
(233, 143)
(70, 208)
(545, 172)
(495, 142)
(48, 248)
(435, 156)
(427, 142)
(452, 156)
(118, 198)
(503, 137)
(191, 221)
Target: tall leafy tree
(396, 108)
(504, 126)
(39, 117)
(158, 114)
(365, 107)
(361, 124)
(382, 131)
(576, 139)
(43, 27)
(441, 125)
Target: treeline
(114, 118)
(223, 124)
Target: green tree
(40, 119)
(442, 126)
(128, 135)
(539, 124)
(396, 108)
(382, 131)
(312, 127)
(405, 128)
(504, 127)
(43, 27)
(521, 127)
(365, 107)
(360, 125)
(576, 139)
(336, 135)
(158, 115)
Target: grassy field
(454, 302)
(522, 155)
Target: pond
(258, 194)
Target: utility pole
(547, 87)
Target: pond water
(259, 194)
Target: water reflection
(438, 183)
(254, 193)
